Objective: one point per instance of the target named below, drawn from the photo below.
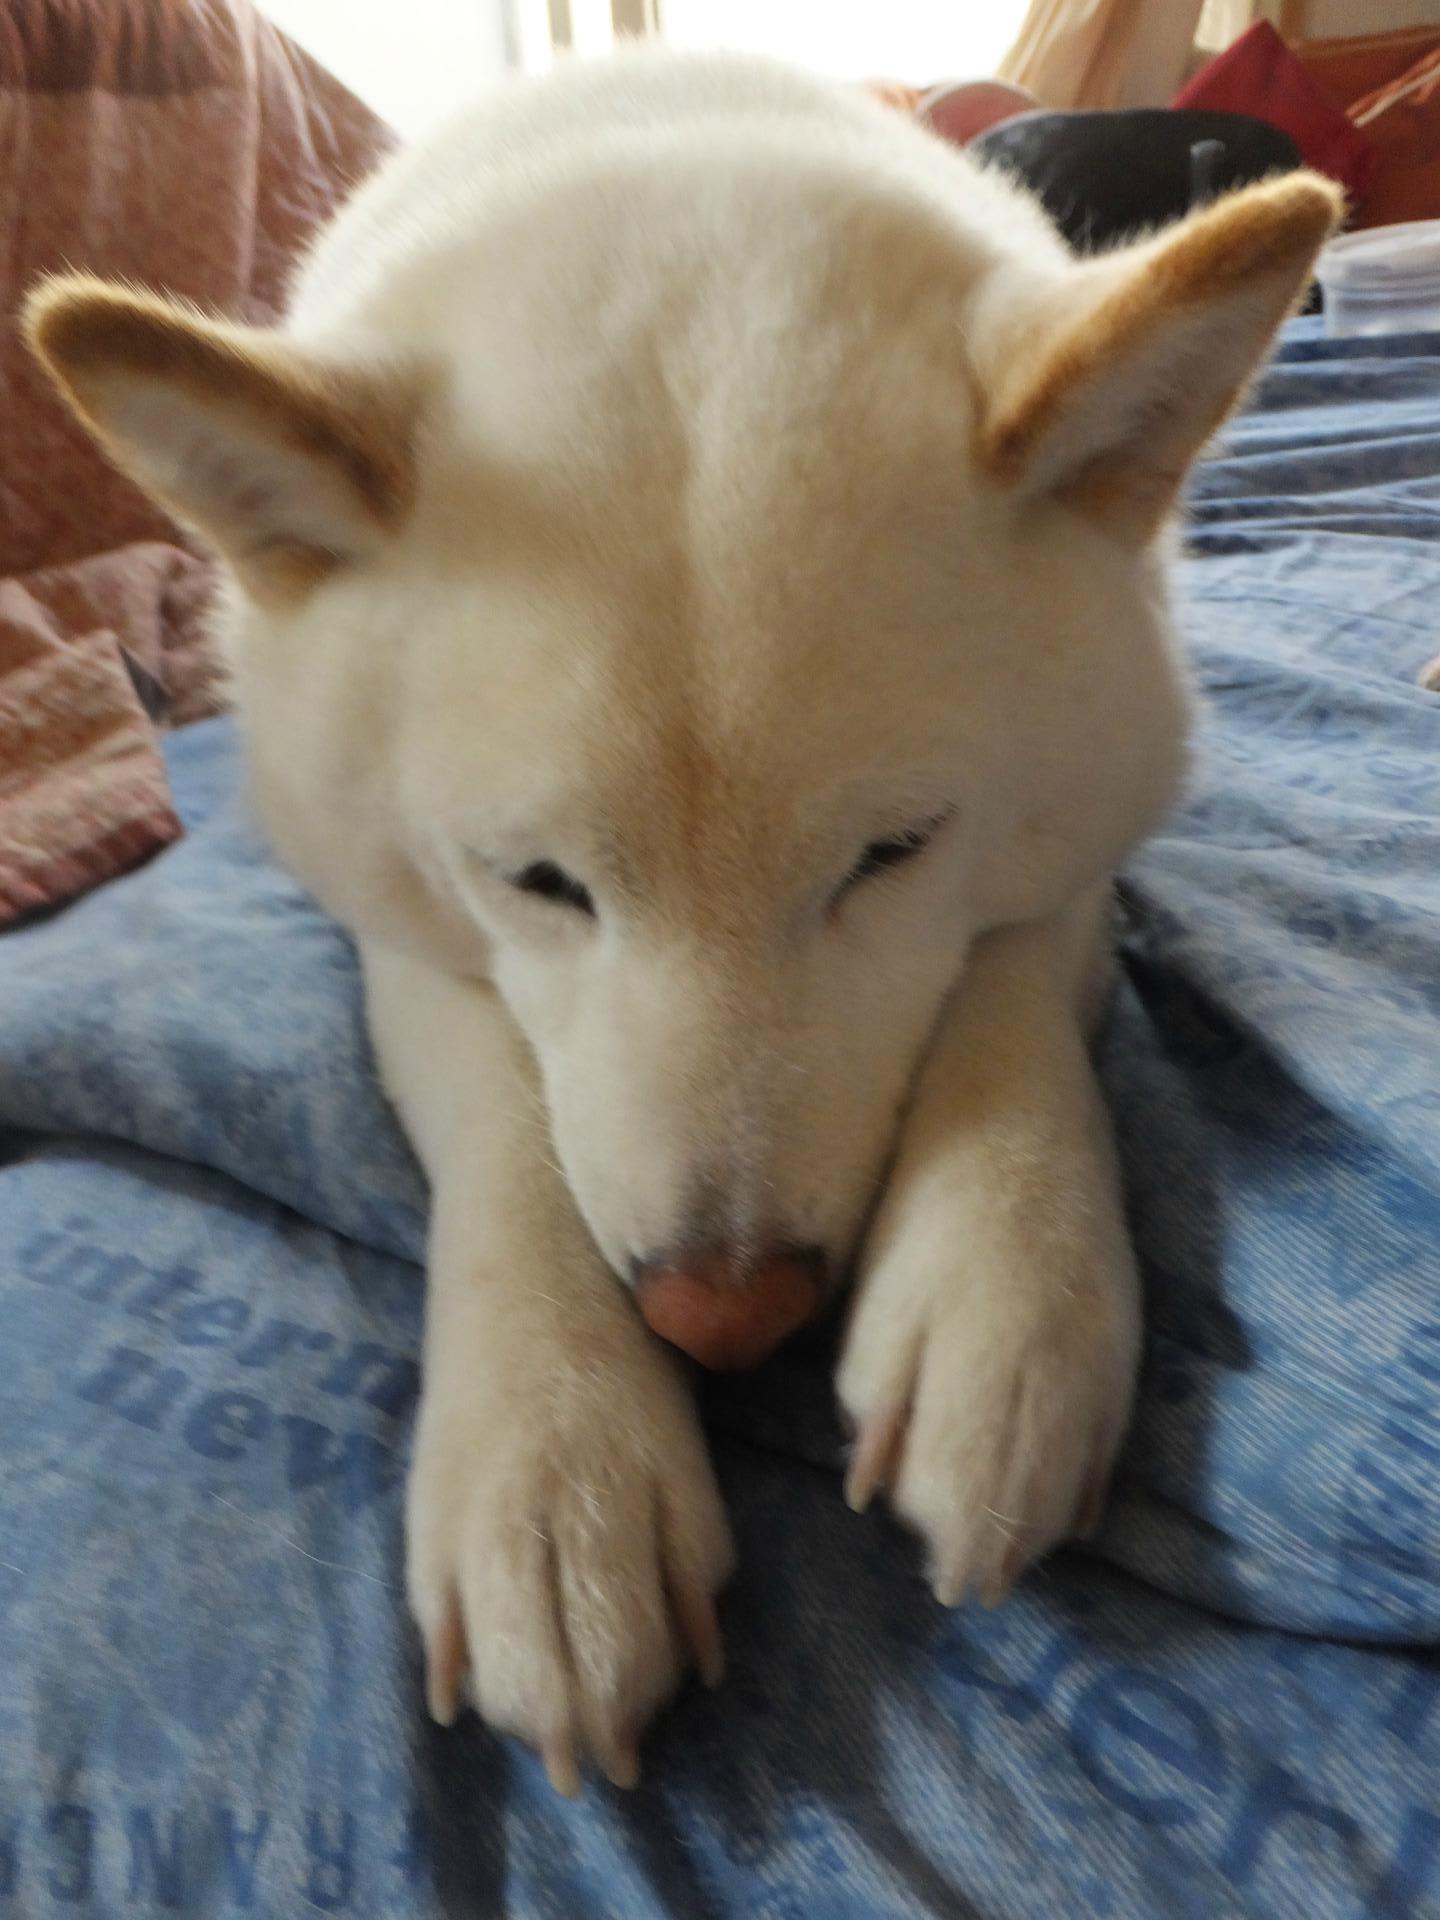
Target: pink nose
(726, 1314)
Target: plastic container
(1384, 280)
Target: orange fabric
(1401, 119)
(895, 93)
(1350, 69)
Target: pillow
(186, 147)
(1259, 75)
(83, 788)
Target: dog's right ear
(289, 464)
(1105, 401)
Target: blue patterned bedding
(1229, 1705)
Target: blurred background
(413, 63)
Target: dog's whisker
(266, 1526)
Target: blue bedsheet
(209, 1692)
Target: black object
(1102, 176)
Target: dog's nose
(727, 1312)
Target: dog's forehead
(715, 543)
(689, 742)
(732, 647)
(719, 752)
(703, 343)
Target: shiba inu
(696, 580)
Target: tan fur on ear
(1114, 402)
(279, 458)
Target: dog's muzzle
(727, 1312)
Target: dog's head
(706, 618)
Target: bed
(1228, 1704)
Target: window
(917, 41)
(413, 63)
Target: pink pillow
(962, 111)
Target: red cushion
(1259, 75)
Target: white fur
(692, 352)
(704, 588)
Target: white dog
(697, 592)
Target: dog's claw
(446, 1657)
(1091, 1510)
(562, 1769)
(873, 1461)
(948, 1588)
(700, 1630)
(996, 1589)
(621, 1765)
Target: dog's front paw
(566, 1541)
(990, 1406)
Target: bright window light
(916, 41)
(412, 62)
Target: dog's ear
(1107, 403)
(288, 464)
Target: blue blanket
(1230, 1705)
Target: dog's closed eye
(881, 855)
(549, 882)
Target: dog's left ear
(1106, 405)
(288, 463)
